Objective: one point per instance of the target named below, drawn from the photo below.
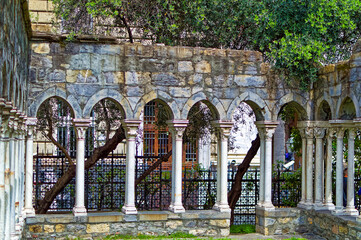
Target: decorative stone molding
(177, 127)
(131, 127)
(223, 128)
(266, 128)
(81, 126)
(319, 132)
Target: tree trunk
(236, 190)
(64, 180)
(164, 158)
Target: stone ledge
(208, 223)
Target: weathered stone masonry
(14, 64)
(131, 74)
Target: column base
(319, 206)
(260, 204)
(176, 209)
(129, 210)
(351, 211)
(338, 211)
(224, 208)
(266, 206)
(79, 211)
(329, 206)
(29, 212)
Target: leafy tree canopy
(295, 36)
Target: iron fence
(104, 186)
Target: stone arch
(215, 105)
(118, 98)
(324, 110)
(257, 104)
(347, 109)
(64, 101)
(159, 96)
(297, 101)
(54, 92)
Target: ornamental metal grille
(104, 186)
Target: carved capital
(30, 125)
(309, 132)
(340, 132)
(319, 132)
(131, 127)
(177, 128)
(224, 128)
(80, 126)
(330, 133)
(351, 133)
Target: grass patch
(243, 228)
(142, 236)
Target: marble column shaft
(28, 208)
(309, 166)
(339, 170)
(350, 206)
(80, 126)
(319, 134)
(177, 128)
(131, 127)
(328, 174)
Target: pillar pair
(266, 130)
(177, 128)
(342, 126)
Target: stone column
(2, 169)
(319, 134)
(303, 168)
(261, 179)
(177, 128)
(350, 207)
(131, 127)
(339, 171)
(28, 208)
(266, 130)
(268, 167)
(218, 184)
(309, 166)
(22, 170)
(224, 128)
(5, 177)
(13, 155)
(328, 174)
(80, 126)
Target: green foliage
(296, 36)
(243, 228)
(142, 236)
(292, 183)
(296, 145)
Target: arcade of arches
(133, 75)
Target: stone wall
(279, 221)
(14, 52)
(329, 226)
(134, 74)
(339, 88)
(64, 226)
(296, 220)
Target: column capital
(80, 126)
(177, 127)
(131, 127)
(309, 131)
(340, 132)
(266, 129)
(351, 133)
(224, 128)
(319, 132)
